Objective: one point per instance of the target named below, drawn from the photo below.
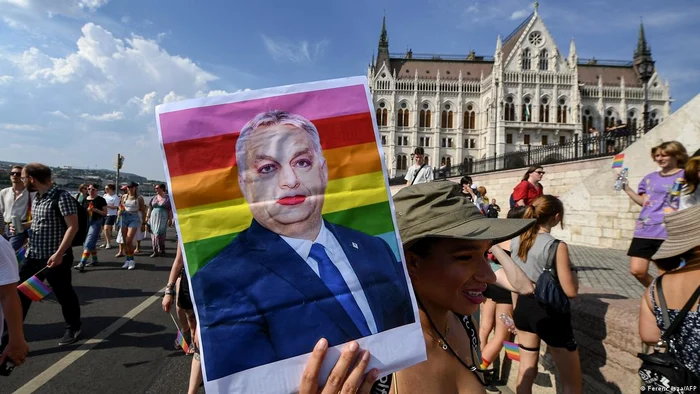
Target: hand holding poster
(283, 206)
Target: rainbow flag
(618, 160)
(512, 350)
(34, 288)
(199, 138)
(182, 342)
(20, 254)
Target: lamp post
(646, 70)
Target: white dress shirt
(9, 206)
(338, 257)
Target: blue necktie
(330, 275)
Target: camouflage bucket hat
(438, 209)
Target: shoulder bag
(548, 290)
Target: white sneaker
(131, 264)
(126, 265)
(80, 267)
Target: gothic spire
(383, 37)
(643, 48)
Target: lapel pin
(354, 245)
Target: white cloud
(172, 96)
(5, 79)
(20, 127)
(69, 8)
(284, 50)
(126, 19)
(59, 114)
(520, 14)
(108, 117)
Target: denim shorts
(129, 219)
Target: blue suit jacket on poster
(258, 301)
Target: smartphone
(6, 367)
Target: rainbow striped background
(199, 150)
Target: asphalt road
(137, 357)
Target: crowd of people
(478, 281)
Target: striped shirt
(48, 227)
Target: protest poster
(283, 206)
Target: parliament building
(465, 108)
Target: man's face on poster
(285, 178)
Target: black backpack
(662, 371)
(83, 218)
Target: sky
(79, 79)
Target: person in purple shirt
(656, 196)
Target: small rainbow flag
(20, 253)
(182, 342)
(34, 288)
(618, 160)
(512, 350)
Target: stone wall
(597, 215)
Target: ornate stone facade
(464, 108)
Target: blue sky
(79, 78)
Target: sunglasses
(15, 173)
(540, 172)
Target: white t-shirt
(425, 174)
(689, 200)
(9, 271)
(111, 200)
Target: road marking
(73, 356)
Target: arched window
(544, 110)
(509, 109)
(426, 160)
(446, 161)
(526, 115)
(544, 60)
(561, 111)
(526, 59)
(402, 118)
(631, 120)
(424, 118)
(382, 115)
(610, 118)
(587, 120)
(653, 119)
(401, 162)
(468, 164)
(447, 119)
(470, 118)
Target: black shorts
(644, 247)
(552, 327)
(183, 294)
(110, 220)
(498, 294)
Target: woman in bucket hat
(679, 255)
(445, 241)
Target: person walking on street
(15, 201)
(159, 217)
(52, 233)
(529, 187)
(654, 196)
(10, 306)
(131, 220)
(96, 207)
(112, 200)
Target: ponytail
(543, 209)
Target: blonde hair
(482, 191)
(674, 149)
(544, 208)
(691, 174)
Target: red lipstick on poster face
(291, 200)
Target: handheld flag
(618, 160)
(34, 289)
(20, 253)
(512, 350)
(180, 339)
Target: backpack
(512, 201)
(83, 218)
(662, 371)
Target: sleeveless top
(131, 206)
(686, 342)
(536, 256)
(382, 385)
